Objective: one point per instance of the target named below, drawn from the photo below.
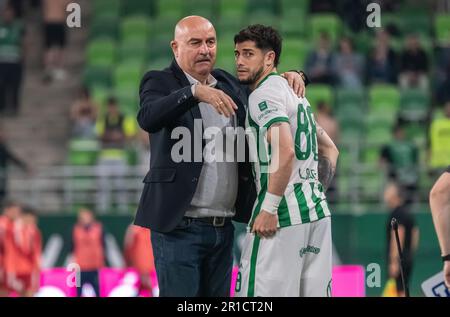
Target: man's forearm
(328, 155)
(440, 209)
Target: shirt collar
(211, 81)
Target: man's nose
(204, 49)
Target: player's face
(195, 50)
(249, 62)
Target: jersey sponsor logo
(309, 249)
(262, 106)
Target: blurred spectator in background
(6, 157)
(23, 258)
(11, 212)
(443, 84)
(83, 114)
(382, 62)
(440, 140)
(324, 117)
(414, 65)
(11, 61)
(348, 65)
(408, 233)
(138, 254)
(88, 249)
(401, 161)
(54, 13)
(114, 131)
(319, 62)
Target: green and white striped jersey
(274, 101)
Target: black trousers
(10, 84)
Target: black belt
(214, 221)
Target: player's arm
(280, 138)
(328, 155)
(440, 210)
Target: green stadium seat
(165, 28)
(100, 95)
(234, 9)
(294, 53)
(128, 100)
(83, 152)
(101, 52)
(417, 23)
(378, 133)
(134, 7)
(355, 98)
(256, 7)
(350, 114)
(292, 24)
(325, 22)
(372, 185)
(319, 92)
(384, 101)
(137, 52)
(170, 8)
(135, 28)
(351, 134)
(204, 8)
(371, 155)
(299, 8)
(265, 18)
(442, 28)
(160, 48)
(417, 132)
(414, 104)
(345, 160)
(128, 75)
(106, 8)
(159, 63)
(104, 26)
(97, 76)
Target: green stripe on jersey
(304, 210)
(284, 219)
(274, 120)
(316, 200)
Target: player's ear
(270, 58)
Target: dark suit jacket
(166, 102)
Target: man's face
(249, 62)
(13, 212)
(195, 49)
(85, 217)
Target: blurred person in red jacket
(11, 211)
(139, 254)
(23, 254)
(88, 249)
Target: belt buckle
(221, 223)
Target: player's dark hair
(266, 38)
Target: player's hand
(394, 269)
(447, 273)
(265, 225)
(296, 82)
(217, 98)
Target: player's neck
(263, 77)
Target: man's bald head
(194, 46)
(187, 24)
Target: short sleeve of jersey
(267, 104)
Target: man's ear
(270, 58)
(174, 46)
